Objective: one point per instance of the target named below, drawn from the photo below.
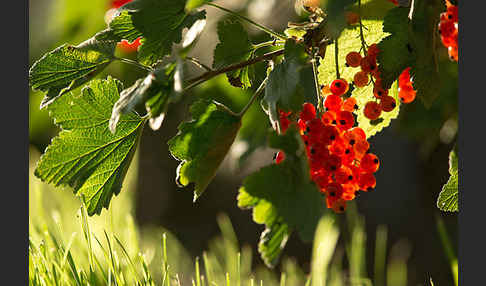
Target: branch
(261, 27)
(210, 74)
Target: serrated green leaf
(155, 91)
(350, 41)
(395, 50)
(68, 67)
(160, 24)
(448, 197)
(234, 46)
(365, 94)
(283, 197)
(86, 155)
(425, 71)
(202, 144)
(290, 83)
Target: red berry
(361, 79)
(308, 112)
(339, 87)
(367, 181)
(345, 120)
(360, 148)
(329, 117)
(353, 59)
(372, 110)
(373, 51)
(379, 92)
(406, 93)
(333, 102)
(369, 163)
(350, 104)
(387, 103)
(338, 206)
(368, 64)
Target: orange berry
(388, 103)
(372, 110)
(350, 104)
(325, 90)
(373, 51)
(379, 92)
(353, 59)
(361, 79)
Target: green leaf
(395, 50)
(86, 155)
(159, 22)
(425, 71)
(234, 46)
(336, 20)
(155, 91)
(290, 83)
(365, 94)
(448, 197)
(350, 41)
(202, 144)
(283, 197)
(68, 67)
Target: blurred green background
(413, 153)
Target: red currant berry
(339, 87)
(372, 110)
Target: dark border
(15, 141)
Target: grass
(66, 247)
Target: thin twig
(252, 99)
(316, 81)
(363, 42)
(198, 63)
(210, 74)
(336, 55)
(268, 44)
(134, 63)
(261, 27)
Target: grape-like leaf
(347, 42)
(234, 46)
(202, 144)
(283, 197)
(448, 197)
(86, 155)
(290, 83)
(159, 22)
(68, 67)
(155, 90)
(364, 95)
(396, 52)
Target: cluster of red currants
(125, 45)
(339, 159)
(369, 66)
(448, 30)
